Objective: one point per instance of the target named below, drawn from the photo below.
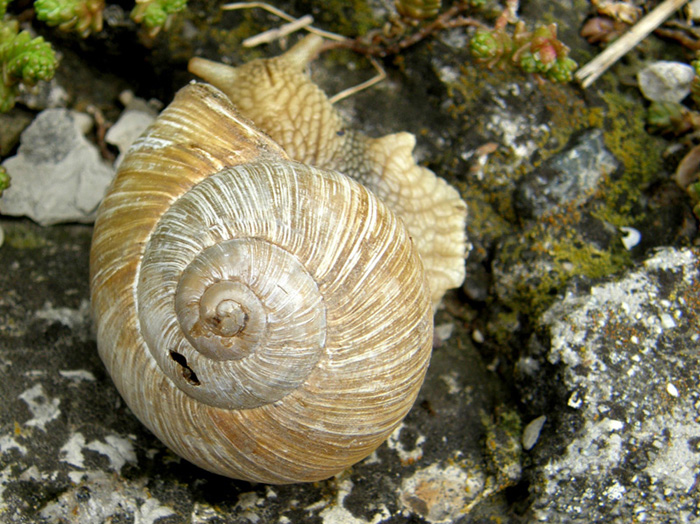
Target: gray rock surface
(57, 175)
(567, 178)
(71, 451)
(624, 442)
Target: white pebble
(665, 81)
(444, 331)
(531, 433)
(631, 237)
(671, 389)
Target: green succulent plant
(538, 51)
(153, 14)
(23, 60)
(4, 180)
(82, 16)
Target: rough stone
(43, 95)
(57, 175)
(567, 178)
(624, 442)
(12, 125)
(128, 128)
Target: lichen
(502, 448)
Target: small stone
(57, 175)
(693, 9)
(631, 237)
(44, 95)
(531, 433)
(443, 332)
(128, 128)
(438, 494)
(665, 81)
(671, 389)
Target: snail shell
(267, 320)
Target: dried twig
(381, 75)
(587, 74)
(294, 24)
(284, 16)
(279, 32)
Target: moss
(544, 258)
(541, 262)
(484, 221)
(640, 154)
(224, 30)
(617, 202)
(502, 450)
(585, 259)
(348, 18)
(23, 236)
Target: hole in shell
(187, 372)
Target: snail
(278, 96)
(267, 320)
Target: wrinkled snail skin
(280, 98)
(267, 320)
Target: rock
(57, 175)
(71, 451)
(567, 178)
(12, 125)
(665, 81)
(531, 433)
(439, 494)
(43, 95)
(623, 371)
(137, 116)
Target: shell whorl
(267, 320)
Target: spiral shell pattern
(266, 320)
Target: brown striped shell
(267, 320)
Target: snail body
(280, 98)
(267, 320)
